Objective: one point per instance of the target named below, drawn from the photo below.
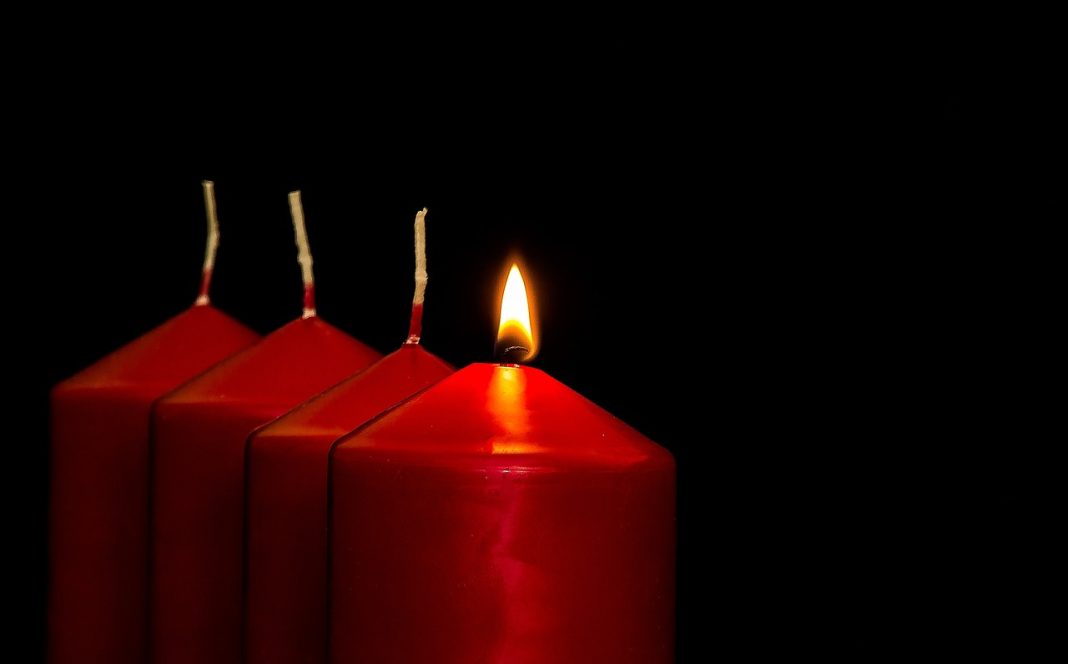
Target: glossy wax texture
(199, 439)
(99, 486)
(285, 597)
(499, 517)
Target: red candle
(99, 485)
(200, 431)
(285, 520)
(501, 517)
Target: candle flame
(515, 334)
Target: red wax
(199, 439)
(499, 517)
(285, 595)
(99, 511)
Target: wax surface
(99, 484)
(500, 517)
(285, 597)
(200, 434)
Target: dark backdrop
(771, 268)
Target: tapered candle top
(212, 247)
(304, 257)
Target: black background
(787, 270)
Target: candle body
(199, 439)
(99, 484)
(500, 517)
(286, 505)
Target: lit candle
(200, 431)
(99, 486)
(285, 520)
(501, 517)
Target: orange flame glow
(515, 334)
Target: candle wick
(304, 257)
(511, 355)
(415, 327)
(212, 247)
